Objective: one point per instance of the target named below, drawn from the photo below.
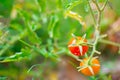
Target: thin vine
(97, 25)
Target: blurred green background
(34, 35)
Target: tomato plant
(36, 43)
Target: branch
(104, 5)
(98, 8)
(97, 32)
(109, 42)
(91, 11)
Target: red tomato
(77, 50)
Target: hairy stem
(97, 25)
(96, 4)
(104, 5)
(91, 12)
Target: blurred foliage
(36, 32)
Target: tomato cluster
(78, 47)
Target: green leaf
(86, 7)
(31, 26)
(16, 57)
(44, 52)
(59, 3)
(41, 4)
(101, 0)
(53, 21)
(73, 4)
(92, 78)
(6, 7)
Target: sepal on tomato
(89, 69)
(75, 47)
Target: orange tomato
(90, 69)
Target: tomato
(90, 69)
(76, 49)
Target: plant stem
(109, 42)
(97, 25)
(91, 11)
(96, 4)
(96, 31)
(104, 5)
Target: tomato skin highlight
(77, 50)
(95, 68)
